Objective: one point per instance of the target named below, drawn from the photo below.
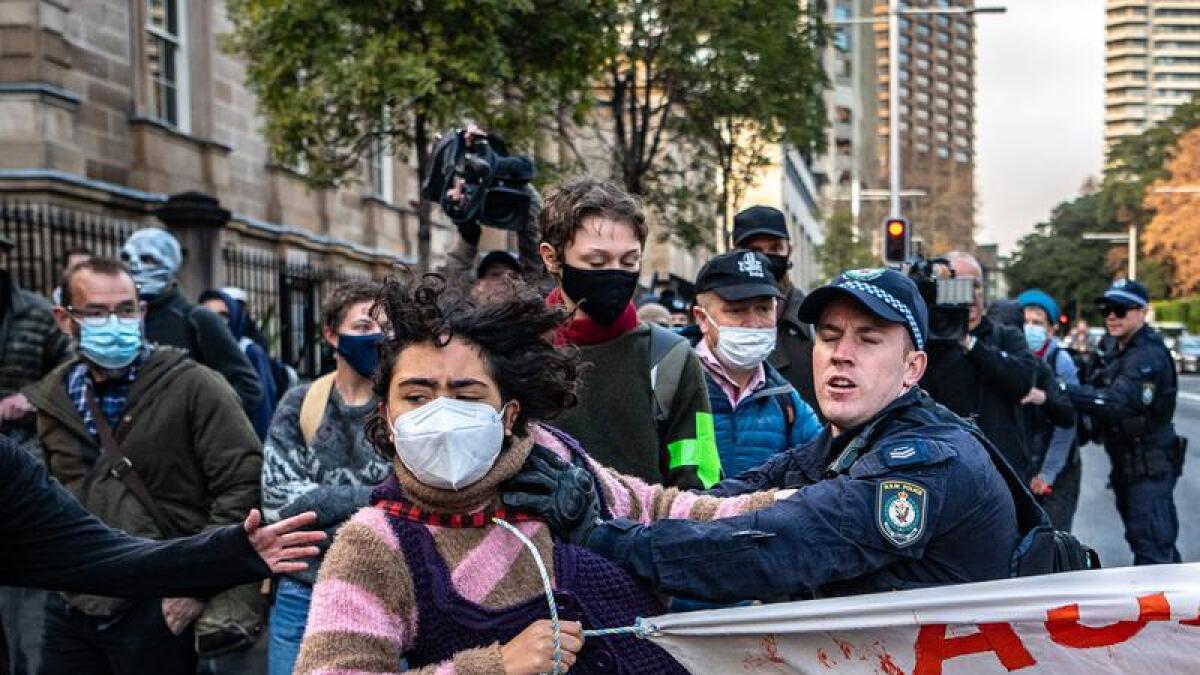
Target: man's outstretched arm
(52, 542)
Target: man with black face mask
(764, 229)
(643, 404)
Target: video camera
(473, 178)
(949, 300)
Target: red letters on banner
(934, 648)
(1063, 624)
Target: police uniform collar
(852, 444)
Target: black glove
(562, 494)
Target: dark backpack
(1042, 549)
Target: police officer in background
(896, 492)
(1131, 404)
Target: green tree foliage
(755, 81)
(1056, 258)
(841, 251)
(332, 76)
(1135, 162)
(693, 84)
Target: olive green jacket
(185, 433)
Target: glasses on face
(96, 316)
(1115, 310)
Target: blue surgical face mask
(112, 345)
(361, 352)
(151, 281)
(1036, 336)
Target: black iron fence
(44, 232)
(284, 298)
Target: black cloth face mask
(779, 265)
(603, 294)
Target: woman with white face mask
(424, 574)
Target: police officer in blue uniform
(897, 492)
(1131, 404)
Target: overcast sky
(1039, 111)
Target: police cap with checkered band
(886, 293)
(738, 275)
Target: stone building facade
(107, 107)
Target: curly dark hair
(511, 332)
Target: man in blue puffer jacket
(756, 412)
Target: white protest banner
(1121, 620)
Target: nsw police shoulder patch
(1147, 393)
(900, 511)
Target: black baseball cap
(738, 275)
(886, 293)
(759, 220)
(1125, 293)
(497, 258)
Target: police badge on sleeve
(900, 511)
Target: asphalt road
(1096, 520)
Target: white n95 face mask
(448, 443)
(743, 348)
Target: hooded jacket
(260, 414)
(184, 433)
(172, 320)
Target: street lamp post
(895, 11)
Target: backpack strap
(312, 410)
(668, 356)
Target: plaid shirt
(111, 395)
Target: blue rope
(641, 628)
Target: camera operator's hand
(563, 494)
(1035, 396)
(1039, 486)
(472, 133)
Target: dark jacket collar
(791, 310)
(826, 451)
(49, 395)
(170, 297)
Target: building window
(962, 157)
(962, 44)
(844, 114)
(923, 47)
(942, 54)
(379, 170)
(922, 147)
(943, 152)
(166, 62)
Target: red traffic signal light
(896, 238)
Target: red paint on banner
(888, 666)
(824, 660)
(847, 649)
(1062, 623)
(770, 655)
(933, 648)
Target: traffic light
(896, 238)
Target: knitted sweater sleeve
(632, 498)
(363, 616)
